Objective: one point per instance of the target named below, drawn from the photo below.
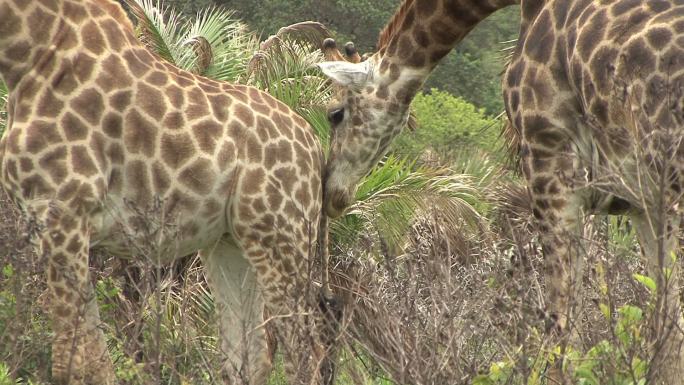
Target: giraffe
(374, 95)
(100, 128)
(594, 91)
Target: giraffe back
(100, 122)
(605, 80)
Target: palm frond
(159, 28)
(213, 43)
(307, 33)
(397, 192)
(230, 41)
(286, 71)
(511, 204)
(317, 118)
(204, 54)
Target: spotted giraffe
(100, 129)
(374, 95)
(595, 91)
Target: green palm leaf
(213, 43)
(158, 27)
(394, 194)
(232, 44)
(285, 69)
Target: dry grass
(455, 303)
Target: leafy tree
(356, 20)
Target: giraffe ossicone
(347, 73)
(101, 129)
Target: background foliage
(472, 71)
(448, 124)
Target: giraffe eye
(336, 116)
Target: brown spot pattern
(139, 134)
(81, 162)
(89, 105)
(198, 176)
(176, 149)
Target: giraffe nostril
(340, 202)
(337, 202)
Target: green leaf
(639, 368)
(8, 271)
(631, 313)
(586, 374)
(626, 328)
(646, 281)
(482, 379)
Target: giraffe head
(370, 108)
(374, 95)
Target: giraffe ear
(346, 73)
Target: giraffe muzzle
(337, 202)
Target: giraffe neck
(529, 9)
(33, 33)
(420, 34)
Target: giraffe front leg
(79, 350)
(558, 207)
(243, 337)
(292, 311)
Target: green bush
(621, 359)
(447, 123)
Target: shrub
(447, 122)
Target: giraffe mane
(394, 24)
(117, 12)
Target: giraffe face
(364, 120)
